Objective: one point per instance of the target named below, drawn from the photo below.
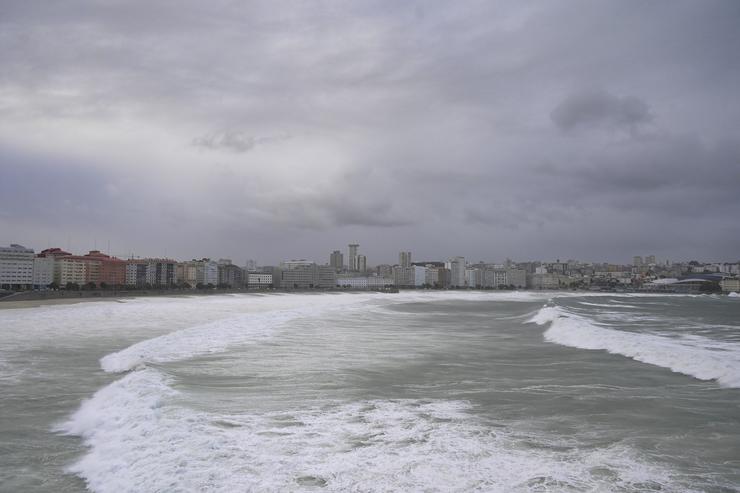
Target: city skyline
(590, 130)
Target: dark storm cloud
(451, 128)
(599, 108)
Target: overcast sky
(273, 130)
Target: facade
(404, 277)
(307, 275)
(43, 272)
(198, 272)
(456, 265)
(155, 272)
(16, 267)
(70, 269)
(444, 277)
(136, 273)
(104, 269)
(404, 259)
(352, 258)
(364, 282)
(730, 285)
(547, 281)
(431, 276)
(384, 270)
(473, 278)
(229, 274)
(516, 278)
(361, 263)
(259, 280)
(210, 272)
(420, 274)
(336, 260)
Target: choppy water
(439, 391)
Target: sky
(591, 130)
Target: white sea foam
(219, 335)
(141, 438)
(612, 304)
(733, 294)
(694, 355)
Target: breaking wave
(695, 356)
(140, 439)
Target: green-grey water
(417, 391)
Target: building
(473, 278)
(431, 276)
(352, 258)
(637, 261)
(16, 267)
(404, 259)
(136, 272)
(363, 282)
(456, 265)
(404, 277)
(304, 274)
(420, 275)
(259, 280)
(384, 270)
(444, 278)
(336, 260)
(361, 263)
(730, 285)
(198, 272)
(516, 278)
(229, 274)
(70, 269)
(43, 272)
(495, 278)
(102, 269)
(155, 272)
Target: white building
(473, 278)
(70, 269)
(16, 267)
(457, 270)
(43, 272)
(259, 280)
(404, 259)
(210, 272)
(420, 275)
(364, 282)
(431, 276)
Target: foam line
(695, 356)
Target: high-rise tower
(353, 256)
(404, 259)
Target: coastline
(38, 299)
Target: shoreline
(39, 299)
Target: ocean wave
(694, 355)
(141, 438)
(219, 335)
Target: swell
(695, 356)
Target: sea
(361, 392)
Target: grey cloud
(450, 131)
(234, 141)
(600, 108)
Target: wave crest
(695, 356)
